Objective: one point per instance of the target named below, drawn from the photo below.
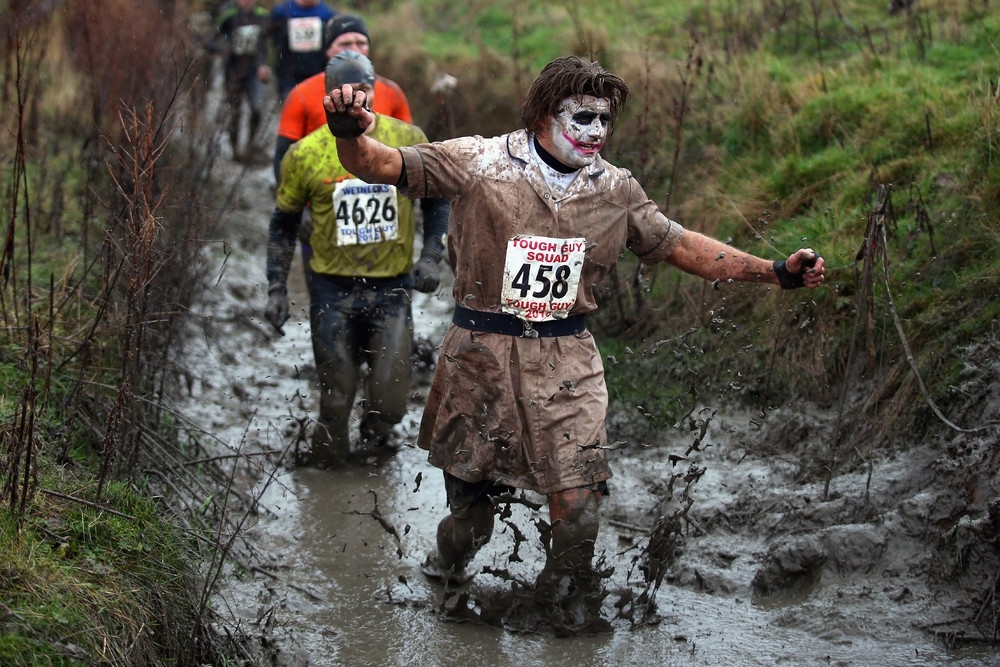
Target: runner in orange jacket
(303, 108)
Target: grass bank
(867, 134)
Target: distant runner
(297, 34)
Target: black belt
(509, 325)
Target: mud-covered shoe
(433, 569)
(323, 452)
(572, 601)
(376, 444)
(377, 436)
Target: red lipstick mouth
(584, 147)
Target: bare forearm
(711, 259)
(370, 160)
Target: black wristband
(786, 278)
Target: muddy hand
(426, 272)
(276, 311)
(805, 268)
(347, 112)
(809, 265)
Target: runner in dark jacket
(297, 31)
(242, 35)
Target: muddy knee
(575, 523)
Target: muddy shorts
(523, 412)
(462, 495)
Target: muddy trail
(883, 564)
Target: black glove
(789, 280)
(343, 126)
(426, 272)
(276, 311)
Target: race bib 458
(541, 276)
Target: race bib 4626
(365, 212)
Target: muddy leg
(254, 126)
(255, 100)
(390, 348)
(233, 99)
(331, 444)
(575, 522)
(568, 580)
(459, 539)
(335, 350)
(234, 131)
(465, 531)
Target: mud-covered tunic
(527, 412)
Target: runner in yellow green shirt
(362, 271)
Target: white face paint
(579, 128)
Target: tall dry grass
(107, 207)
(103, 220)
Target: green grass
(84, 586)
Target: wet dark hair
(570, 77)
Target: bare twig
(64, 496)
(909, 354)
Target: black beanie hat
(348, 67)
(340, 24)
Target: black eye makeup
(587, 117)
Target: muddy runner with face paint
(518, 397)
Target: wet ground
(324, 581)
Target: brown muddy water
(323, 582)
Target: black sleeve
(437, 213)
(281, 236)
(280, 148)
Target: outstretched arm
(348, 118)
(711, 259)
